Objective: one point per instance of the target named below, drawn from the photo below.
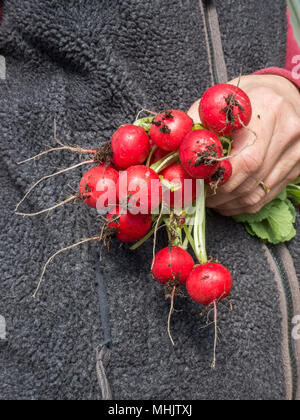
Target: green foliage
(274, 223)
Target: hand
(274, 158)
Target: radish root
(213, 366)
(84, 241)
(68, 200)
(72, 148)
(51, 176)
(170, 315)
(155, 234)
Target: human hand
(274, 158)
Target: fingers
(249, 162)
(281, 157)
(254, 203)
(193, 112)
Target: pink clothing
(292, 65)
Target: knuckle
(268, 97)
(293, 125)
(251, 162)
(227, 189)
(252, 200)
(247, 187)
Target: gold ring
(266, 189)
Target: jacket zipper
(290, 309)
(210, 43)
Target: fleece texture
(92, 65)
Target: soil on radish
(104, 155)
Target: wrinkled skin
(274, 158)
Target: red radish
(199, 153)
(96, 183)
(222, 176)
(172, 264)
(209, 283)
(169, 129)
(130, 145)
(225, 109)
(158, 155)
(177, 176)
(129, 227)
(140, 189)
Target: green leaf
(258, 217)
(282, 196)
(265, 232)
(292, 210)
(278, 226)
(297, 181)
(281, 219)
(293, 193)
(249, 229)
(145, 123)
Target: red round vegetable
(130, 145)
(225, 109)
(209, 283)
(223, 174)
(140, 189)
(169, 129)
(129, 227)
(199, 153)
(98, 187)
(176, 175)
(172, 264)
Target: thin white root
(54, 149)
(68, 200)
(170, 315)
(71, 148)
(213, 366)
(95, 238)
(243, 149)
(51, 176)
(155, 234)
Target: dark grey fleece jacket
(93, 65)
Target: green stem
(150, 155)
(145, 123)
(165, 162)
(228, 141)
(198, 127)
(199, 228)
(189, 238)
(145, 238)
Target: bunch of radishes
(153, 174)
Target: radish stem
(145, 238)
(189, 238)
(165, 162)
(199, 228)
(150, 155)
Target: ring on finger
(266, 189)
